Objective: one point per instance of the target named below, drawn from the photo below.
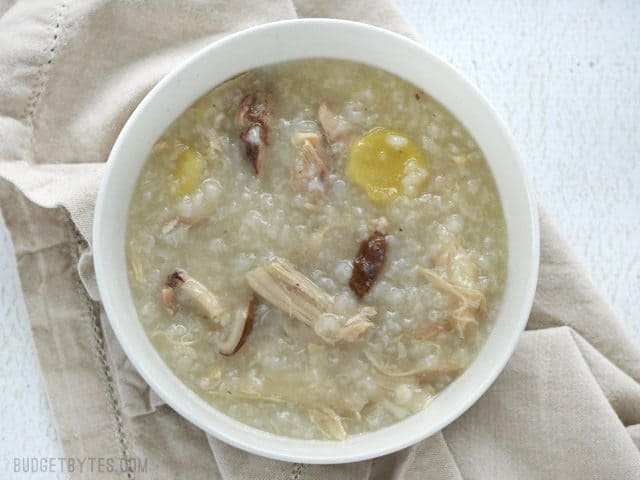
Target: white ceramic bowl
(279, 42)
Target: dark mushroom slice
(239, 331)
(368, 263)
(182, 290)
(280, 284)
(255, 139)
(254, 116)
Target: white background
(566, 78)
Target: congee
(317, 248)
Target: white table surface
(566, 78)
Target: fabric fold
(566, 296)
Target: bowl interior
(291, 40)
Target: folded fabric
(566, 406)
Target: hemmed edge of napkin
(70, 370)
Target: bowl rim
(188, 404)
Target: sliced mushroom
(255, 139)
(368, 263)
(238, 330)
(310, 171)
(289, 290)
(182, 290)
(243, 114)
(335, 127)
(254, 116)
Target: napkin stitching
(297, 471)
(110, 391)
(44, 70)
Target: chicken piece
(421, 373)
(195, 218)
(461, 268)
(335, 127)
(182, 290)
(310, 171)
(368, 263)
(254, 116)
(468, 301)
(289, 290)
(328, 422)
(319, 237)
(431, 331)
(461, 279)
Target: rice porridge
(316, 248)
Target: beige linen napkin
(566, 406)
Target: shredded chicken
(323, 417)
(335, 127)
(289, 290)
(182, 290)
(469, 301)
(198, 217)
(391, 383)
(254, 116)
(328, 422)
(460, 267)
(247, 396)
(409, 392)
(136, 268)
(423, 372)
(431, 331)
(301, 333)
(318, 238)
(310, 171)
